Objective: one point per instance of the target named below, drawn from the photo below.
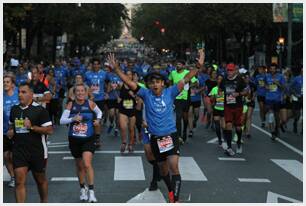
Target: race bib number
(220, 101)
(80, 130)
(273, 87)
(261, 83)
(230, 99)
(165, 144)
(128, 104)
(19, 126)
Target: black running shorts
(79, 145)
(160, 157)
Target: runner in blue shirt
(95, 79)
(21, 76)
(259, 81)
(112, 101)
(77, 68)
(274, 84)
(161, 122)
(10, 98)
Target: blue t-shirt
(114, 80)
(9, 101)
(159, 110)
(297, 86)
(96, 81)
(61, 75)
(195, 96)
(170, 68)
(21, 78)
(203, 77)
(77, 70)
(260, 84)
(274, 93)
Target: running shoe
(84, 194)
(110, 128)
(181, 141)
(263, 125)
(190, 134)
(92, 197)
(239, 150)
(171, 197)
(153, 186)
(11, 182)
(229, 152)
(116, 132)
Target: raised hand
(112, 61)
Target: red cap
(230, 67)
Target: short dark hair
(26, 84)
(95, 60)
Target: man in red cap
(233, 107)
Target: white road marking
(279, 140)
(64, 179)
(215, 141)
(68, 158)
(273, 198)
(97, 152)
(6, 175)
(190, 171)
(255, 180)
(212, 141)
(293, 167)
(148, 197)
(57, 143)
(231, 159)
(56, 146)
(128, 168)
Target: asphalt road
(266, 171)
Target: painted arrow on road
(273, 198)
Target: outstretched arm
(192, 72)
(116, 68)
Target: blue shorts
(145, 137)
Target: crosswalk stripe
(190, 171)
(98, 152)
(57, 143)
(231, 159)
(148, 197)
(54, 179)
(6, 175)
(293, 167)
(128, 168)
(68, 158)
(255, 180)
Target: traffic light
(162, 30)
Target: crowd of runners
(159, 104)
